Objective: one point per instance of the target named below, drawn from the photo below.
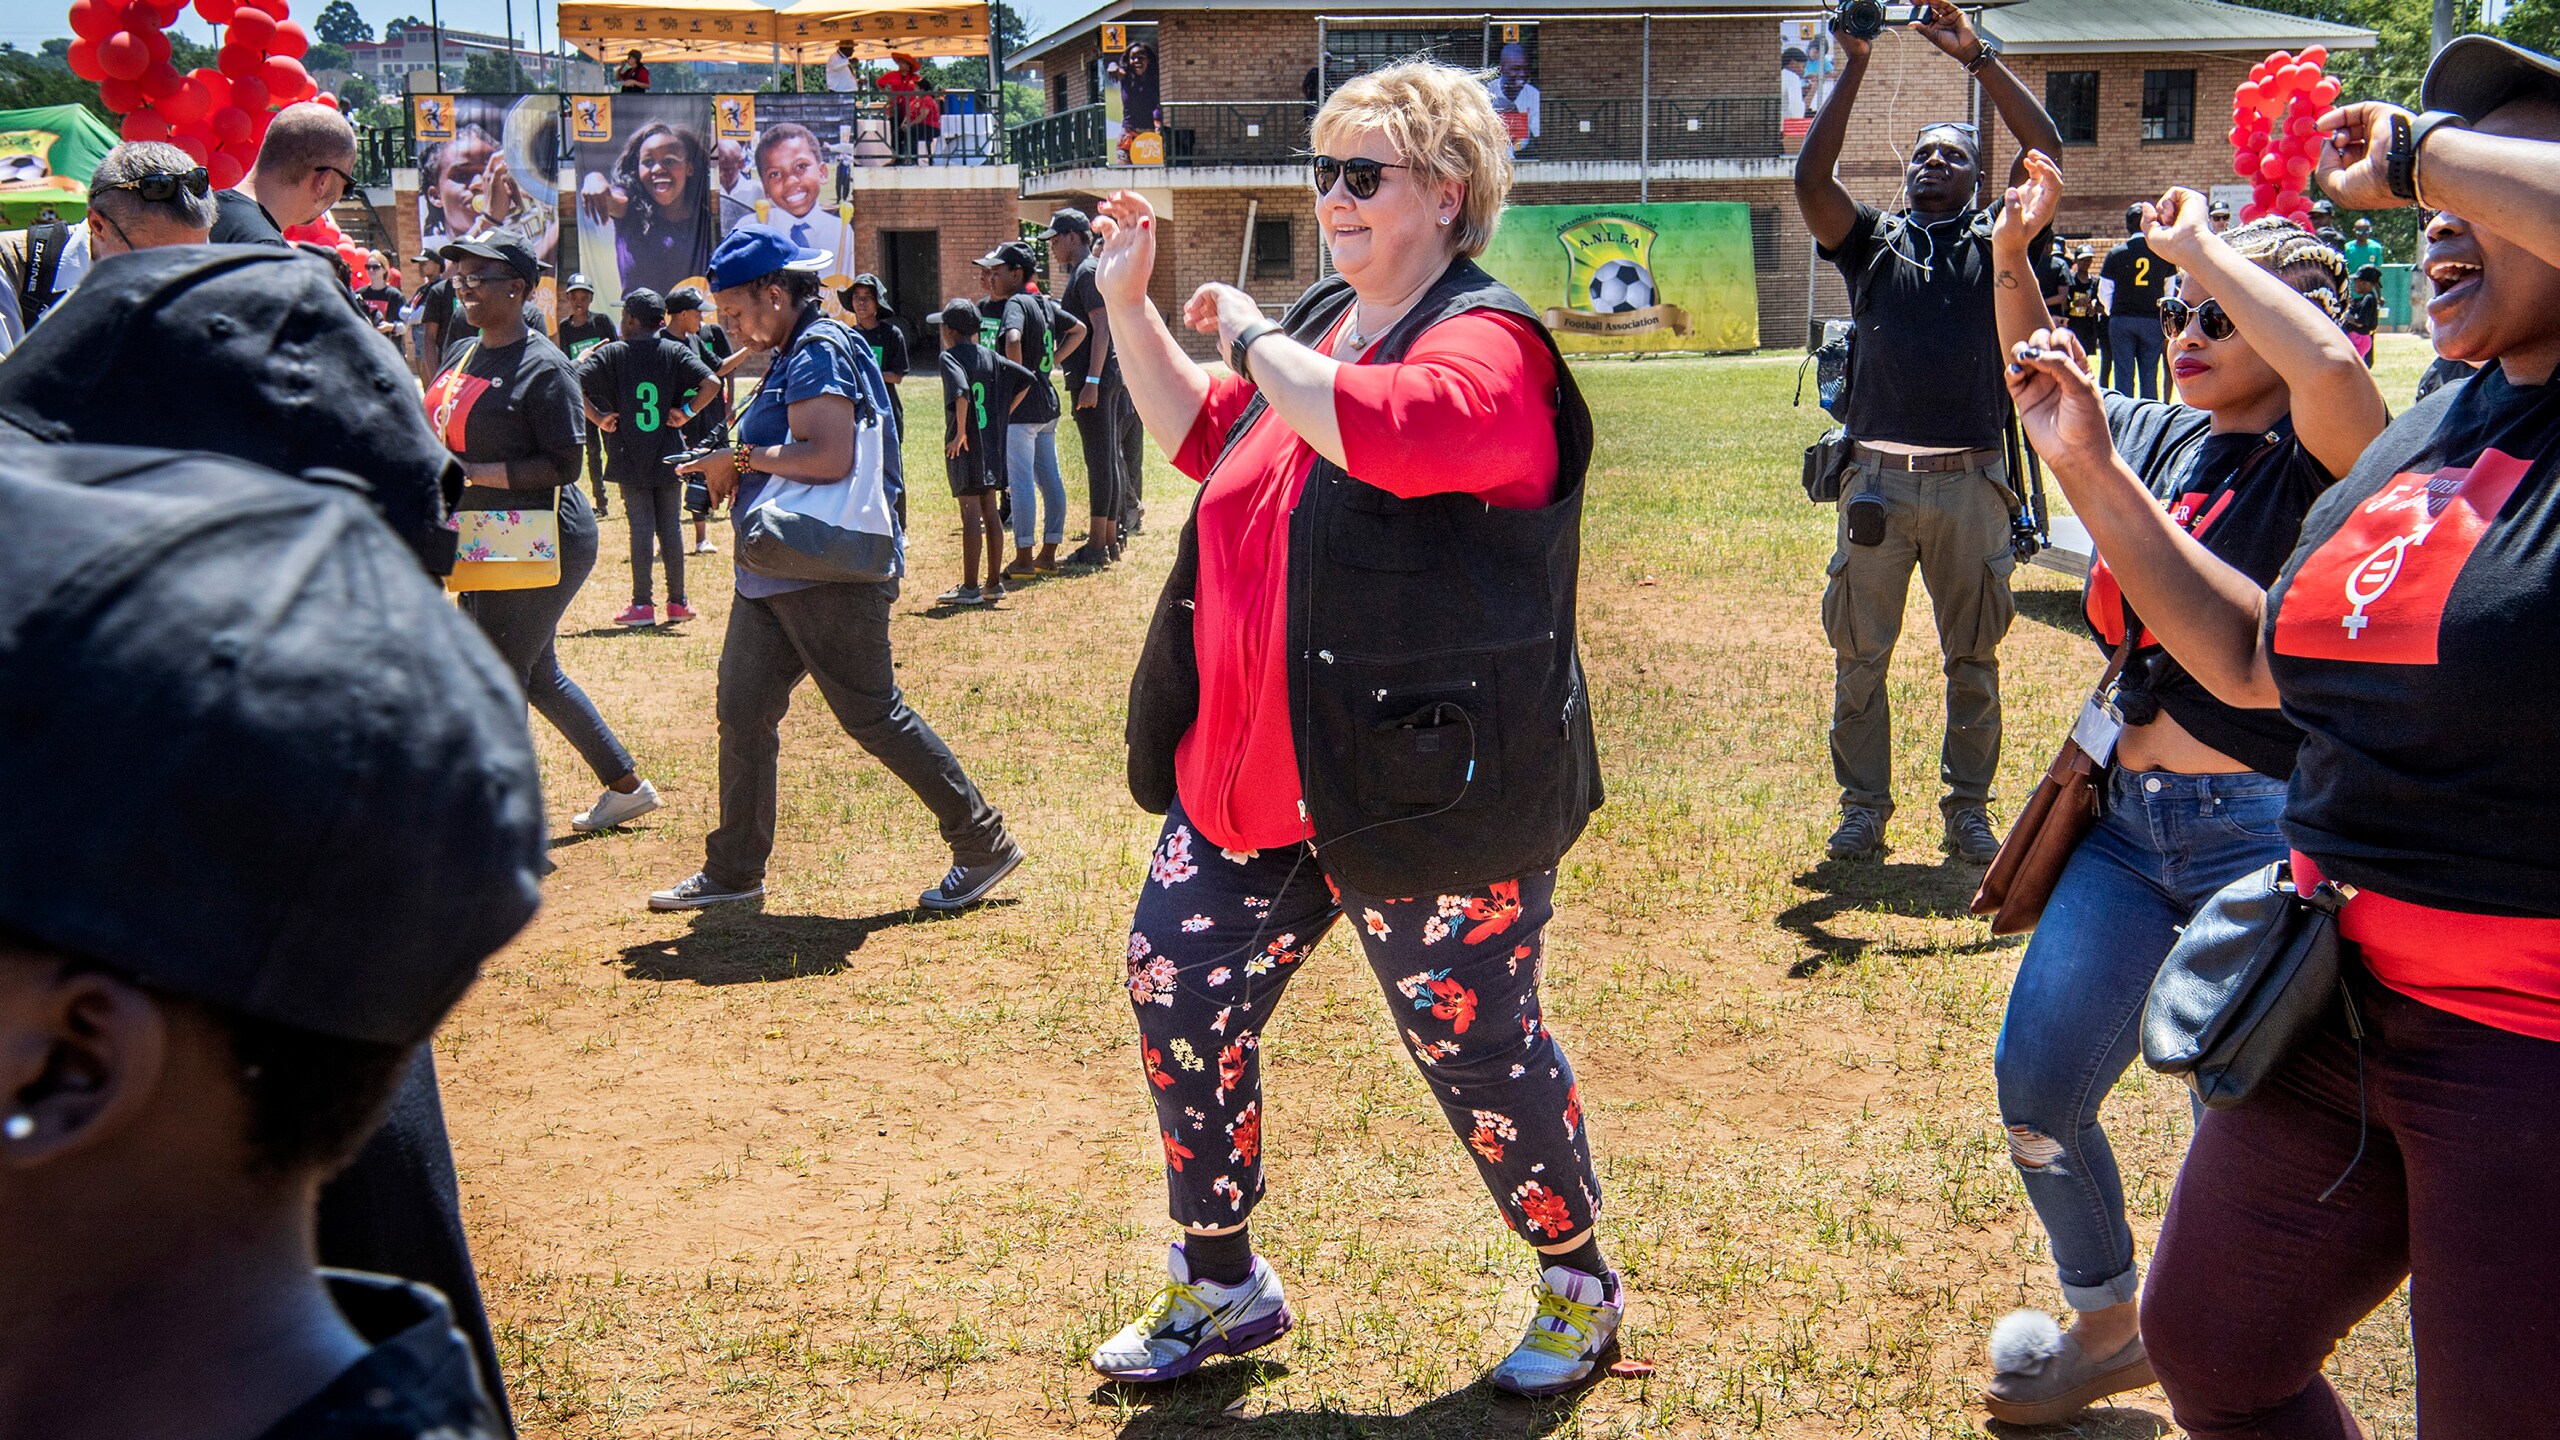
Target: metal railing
(1064, 141)
(1571, 128)
(381, 149)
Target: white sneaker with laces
(1576, 1324)
(614, 807)
(1192, 1321)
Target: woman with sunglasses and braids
(1361, 696)
(2273, 405)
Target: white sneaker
(1576, 1324)
(616, 808)
(706, 548)
(1194, 1321)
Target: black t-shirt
(988, 382)
(2141, 278)
(238, 219)
(380, 301)
(888, 346)
(576, 337)
(643, 383)
(2364, 315)
(2243, 497)
(439, 309)
(1925, 367)
(2080, 301)
(2415, 637)
(418, 1382)
(515, 403)
(711, 344)
(1083, 300)
(1029, 314)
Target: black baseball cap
(254, 757)
(1012, 253)
(961, 315)
(247, 351)
(1070, 221)
(682, 298)
(505, 245)
(644, 306)
(578, 281)
(2476, 74)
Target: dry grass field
(834, 1169)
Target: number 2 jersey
(643, 383)
(2412, 636)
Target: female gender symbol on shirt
(2336, 607)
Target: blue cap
(344, 818)
(751, 253)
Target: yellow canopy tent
(750, 33)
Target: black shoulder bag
(36, 294)
(2251, 977)
(1826, 460)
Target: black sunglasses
(2174, 313)
(1360, 177)
(161, 187)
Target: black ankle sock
(1587, 1259)
(1220, 1259)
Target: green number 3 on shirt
(978, 398)
(647, 395)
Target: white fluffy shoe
(1194, 1321)
(2041, 1376)
(1576, 1325)
(613, 807)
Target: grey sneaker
(699, 891)
(1190, 1321)
(2041, 1376)
(1969, 836)
(966, 885)
(1860, 836)
(1573, 1331)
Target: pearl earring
(19, 1126)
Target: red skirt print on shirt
(2376, 590)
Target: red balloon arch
(2273, 143)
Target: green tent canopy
(46, 155)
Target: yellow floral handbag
(493, 549)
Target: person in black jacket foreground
(1361, 696)
(201, 1018)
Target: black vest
(1442, 726)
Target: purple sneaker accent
(1238, 1341)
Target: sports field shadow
(2107, 1423)
(1942, 891)
(737, 946)
(2057, 609)
(1200, 1405)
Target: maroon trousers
(2256, 1278)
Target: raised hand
(2058, 403)
(1125, 238)
(2030, 207)
(1946, 27)
(2177, 225)
(1223, 311)
(2354, 168)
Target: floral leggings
(1219, 933)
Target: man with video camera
(1924, 480)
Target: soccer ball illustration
(1621, 286)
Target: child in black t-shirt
(2364, 310)
(643, 391)
(980, 389)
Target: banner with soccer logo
(1627, 278)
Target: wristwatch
(1983, 55)
(2401, 162)
(1244, 342)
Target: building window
(1274, 258)
(2071, 98)
(1354, 52)
(2169, 107)
(1058, 92)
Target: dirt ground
(835, 1169)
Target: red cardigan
(1471, 408)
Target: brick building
(1683, 103)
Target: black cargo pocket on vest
(1370, 529)
(1425, 757)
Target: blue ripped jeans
(2165, 844)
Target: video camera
(1867, 19)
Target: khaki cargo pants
(1954, 527)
